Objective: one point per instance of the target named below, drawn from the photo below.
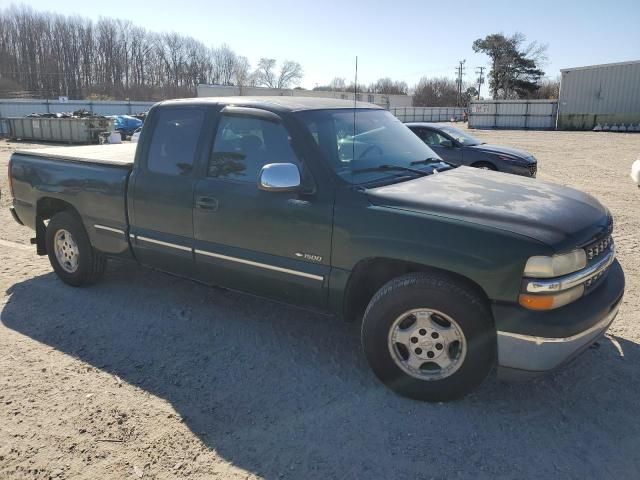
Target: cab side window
(175, 140)
(243, 145)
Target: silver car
(459, 148)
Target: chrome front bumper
(539, 354)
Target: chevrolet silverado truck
(338, 207)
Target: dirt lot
(149, 376)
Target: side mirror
(446, 143)
(279, 177)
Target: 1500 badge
(309, 256)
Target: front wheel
(485, 166)
(429, 337)
(70, 252)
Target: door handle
(207, 203)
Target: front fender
(492, 258)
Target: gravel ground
(150, 376)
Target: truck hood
(558, 216)
(497, 149)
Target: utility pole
(460, 73)
(480, 79)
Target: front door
(445, 147)
(161, 193)
(271, 244)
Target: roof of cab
(276, 103)
(422, 124)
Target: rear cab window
(174, 140)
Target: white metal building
(386, 101)
(599, 94)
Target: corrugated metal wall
(428, 114)
(600, 94)
(515, 114)
(20, 108)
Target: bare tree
(242, 73)
(435, 92)
(338, 84)
(548, 89)
(44, 54)
(290, 74)
(389, 87)
(264, 74)
(224, 65)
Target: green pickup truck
(338, 208)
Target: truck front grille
(596, 249)
(593, 280)
(600, 245)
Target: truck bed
(120, 155)
(91, 179)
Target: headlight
(549, 302)
(556, 265)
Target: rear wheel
(70, 252)
(429, 337)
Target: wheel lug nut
(422, 331)
(418, 351)
(430, 354)
(434, 335)
(414, 340)
(439, 346)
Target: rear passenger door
(161, 193)
(272, 244)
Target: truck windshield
(378, 140)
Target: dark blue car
(459, 148)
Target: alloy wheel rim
(66, 250)
(427, 344)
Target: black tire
(439, 292)
(91, 263)
(123, 136)
(485, 166)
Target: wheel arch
(370, 274)
(487, 163)
(46, 208)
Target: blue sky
(401, 39)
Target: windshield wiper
(427, 161)
(383, 168)
(432, 160)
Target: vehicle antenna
(355, 96)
